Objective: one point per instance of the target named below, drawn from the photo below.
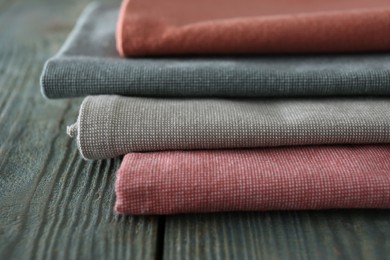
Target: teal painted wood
(53, 204)
(341, 234)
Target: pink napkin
(316, 177)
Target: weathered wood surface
(54, 205)
(341, 234)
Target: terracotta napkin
(172, 27)
(317, 177)
(109, 126)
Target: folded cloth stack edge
(110, 126)
(198, 174)
(88, 64)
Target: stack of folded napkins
(226, 105)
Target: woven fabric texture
(317, 177)
(166, 27)
(109, 126)
(88, 64)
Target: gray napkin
(88, 64)
(109, 126)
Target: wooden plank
(331, 234)
(53, 204)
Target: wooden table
(54, 205)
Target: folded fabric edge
(119, 28)
(43, 81)
(73, 131)
(88, 10)
(118, 208)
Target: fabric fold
(174, 27)
(110, 126)
(88, 64)
(317, 177)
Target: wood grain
(331, 234)
(53, 205)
